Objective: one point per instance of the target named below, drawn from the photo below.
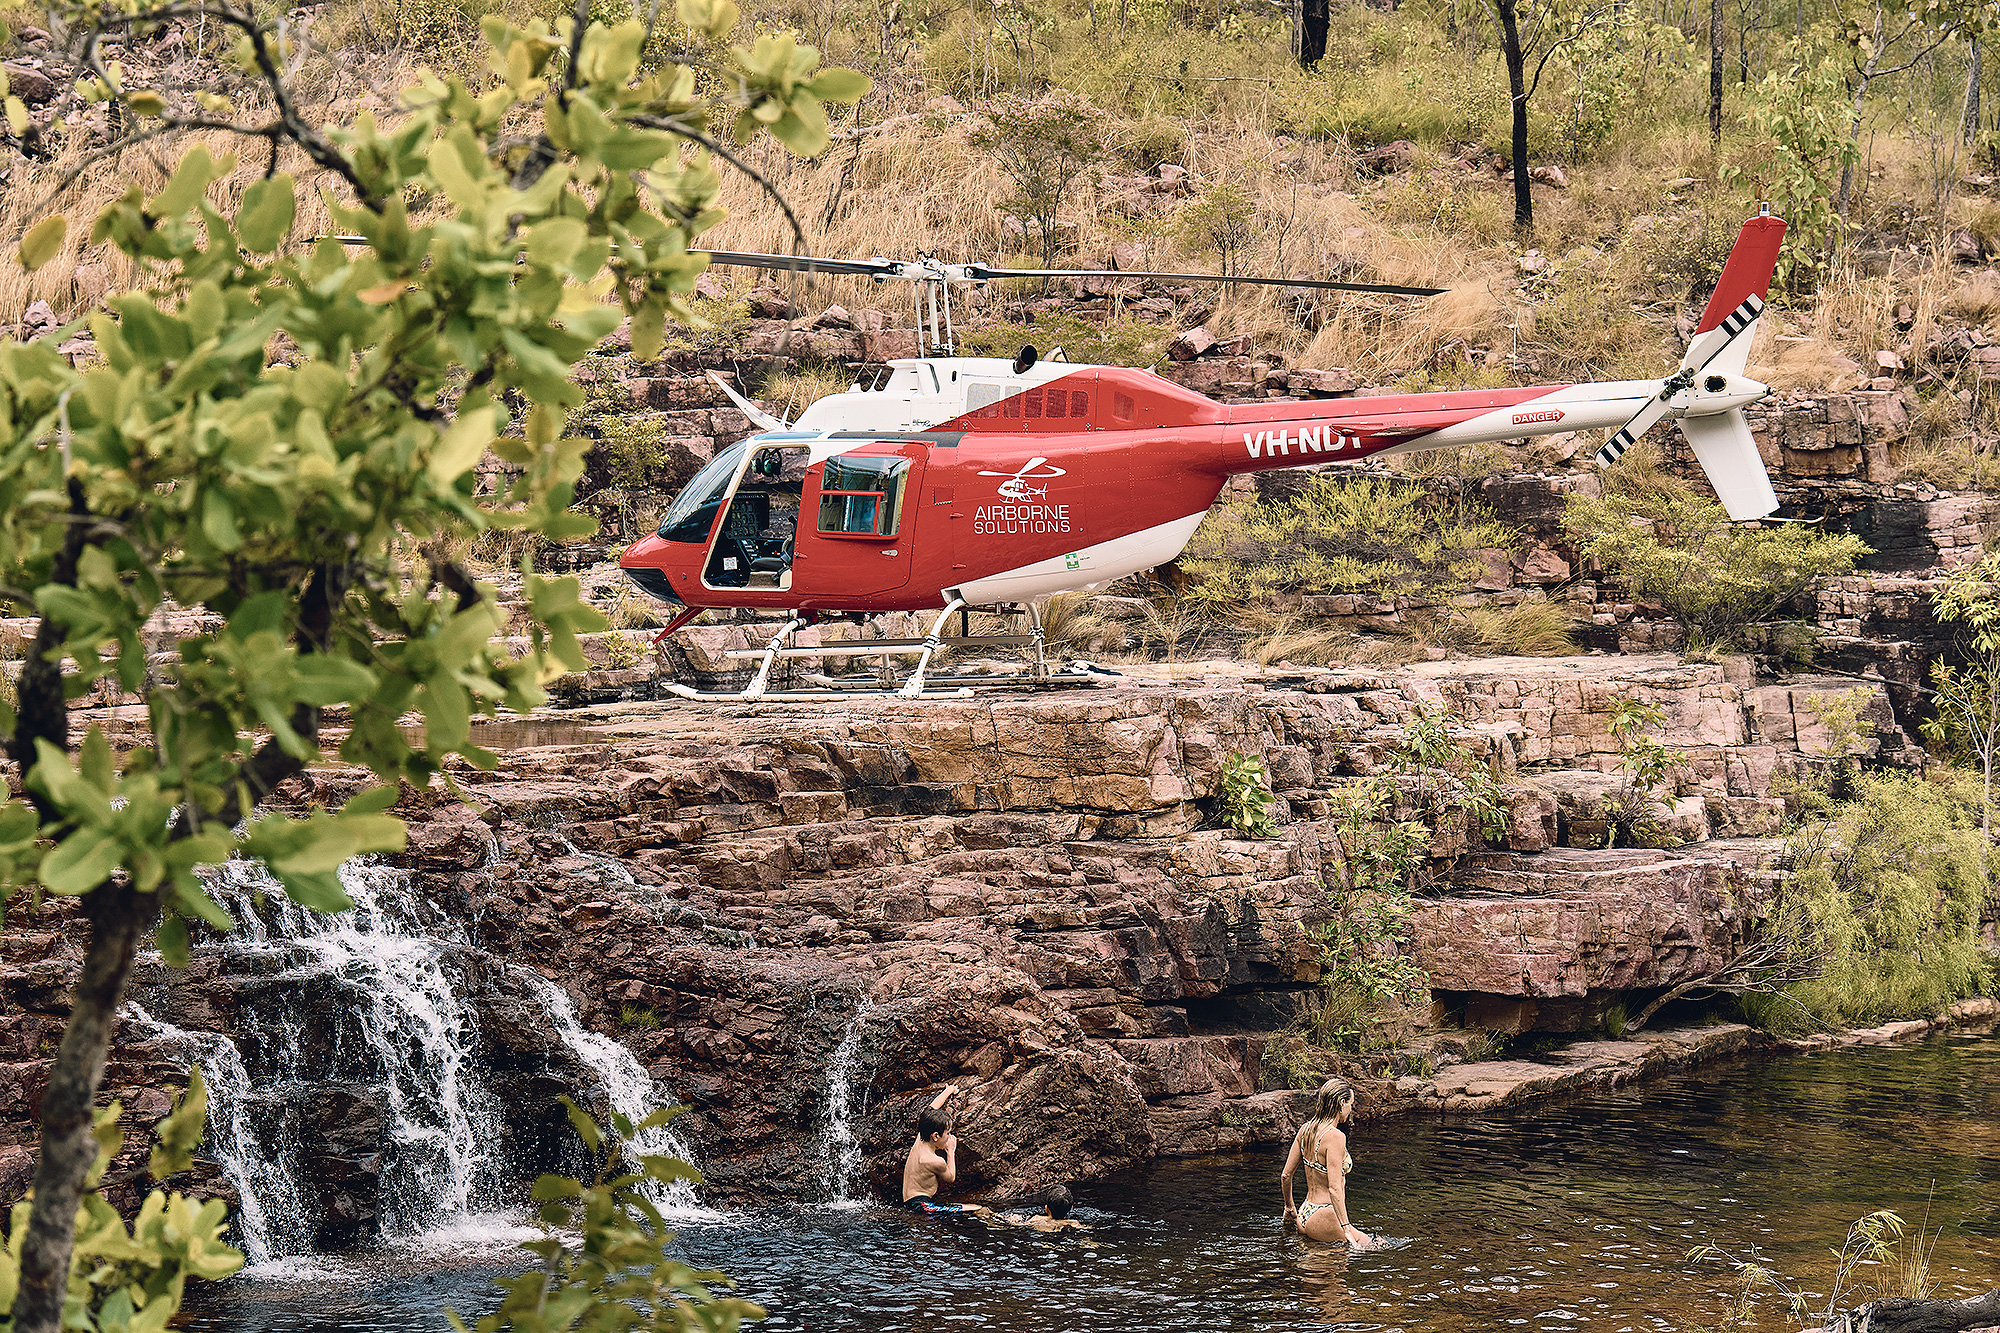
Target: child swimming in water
(1055, 1204)
(1321, 1147)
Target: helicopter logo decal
(1016, 486)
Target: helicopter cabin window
(753, 546)
(862, 497)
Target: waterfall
(272, 1217)
(846, 1169)
(627, 1086)
(383, 967)
(368, 1002)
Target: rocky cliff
(1024, 896)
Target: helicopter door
(753, 546)
(863, 517)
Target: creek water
(1576, 1216)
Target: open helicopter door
(857, 530)
(751, 547)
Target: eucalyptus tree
(1888, 37)
(285, 437)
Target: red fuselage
(1071, 466)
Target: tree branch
(1902, 1314)
(41, 713)
(672, 126)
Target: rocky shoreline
(1025, 896)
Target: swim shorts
(924, 1203)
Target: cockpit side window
(692, 513)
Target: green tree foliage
(1452, 793)
(285, 440)
(1797, 115)
(1045, 145)
(1886, 898)
(1223, 222)
(1373, 535)
(1362, 939)
(1968, 693)
(131, 1280)
(1649, 768)
(1715, 577)
(604, 1265)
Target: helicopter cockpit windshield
(692, 513)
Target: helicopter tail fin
(1716, 355)
(1721, 441)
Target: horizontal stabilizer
(1728, 454)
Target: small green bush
(1888, 895)
(606, 1256)
(1243, 800)
(1376, 535)
(1715, 577)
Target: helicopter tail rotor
(1706, 392)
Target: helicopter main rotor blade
(866, 268)
(983, 273)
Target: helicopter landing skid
(919, 685)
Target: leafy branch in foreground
(284, 440)
(617, 1274)
(124, 1281)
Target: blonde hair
(1334, 1095)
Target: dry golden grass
(1803, 360)
(791, 393)
(918, 187)
(1302, 644)
(1536, 628)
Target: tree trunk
(1517, 85)
(120, 916)
(1312, 32)
(1969, 128)
(1901, 1314)
(1715, 55)
(1844, 196)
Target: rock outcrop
(1023, 896)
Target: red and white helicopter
(975, 482)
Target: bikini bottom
(1308, 1209)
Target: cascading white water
(367, 997)
(846, 1171)
(627, 1086)
(272, 1217)
(385, 962)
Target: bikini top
(1346, 1166)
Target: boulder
(30, 84)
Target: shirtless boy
(933, 1159)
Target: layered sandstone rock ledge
(1026, 896)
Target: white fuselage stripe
(1086, 568)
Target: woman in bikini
(1321, 1146)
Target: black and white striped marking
(1739, 319)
